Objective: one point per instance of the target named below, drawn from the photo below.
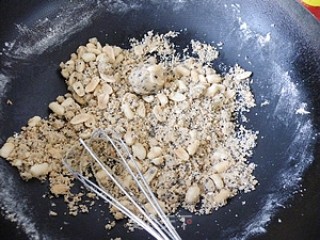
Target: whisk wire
(145, 188)
(110, 199)
(119, 185)
(159, 230)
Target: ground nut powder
(175, 112)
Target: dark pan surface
(277, 40)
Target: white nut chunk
(221, 166)
(222, 196)
(147, 79)
(141, 110)
(193, 134)
(89, 57)
(243, 75)
(139, 151)
(194, 76)
(34, 121)
(103, 100)
(193, 147)
(127, 111)
(215, 89)
(198, 90)
(158, 113)
(39, 169)
(78, 89)
(106, 89)
(6, 150)
(80, 66)
(182, 86)
(214, 78)
(129, 138)
(218, 182)
(56, 108)
(193, 194)
(107, 78)
(154, 152)
(157, 161)
(181, 154)
(163, 99)
(91, 122)
(110, 53)
(177, 97)
(148, 98)
(92, 84)
(80, 118)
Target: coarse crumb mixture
(174, 111)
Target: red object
(314, 10)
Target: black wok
(278, 40)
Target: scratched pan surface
(277, 40)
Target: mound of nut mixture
(175, 112)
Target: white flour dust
(14, 207)
(287, 182)
(286, 95)
(282, 93)
(48, 33)
(302, 109)
(4, 80)
(265, 103)
(246, 33)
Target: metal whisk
(159, 226)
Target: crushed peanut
(110, 225)
(175, 112)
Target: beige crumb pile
(174, 111)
